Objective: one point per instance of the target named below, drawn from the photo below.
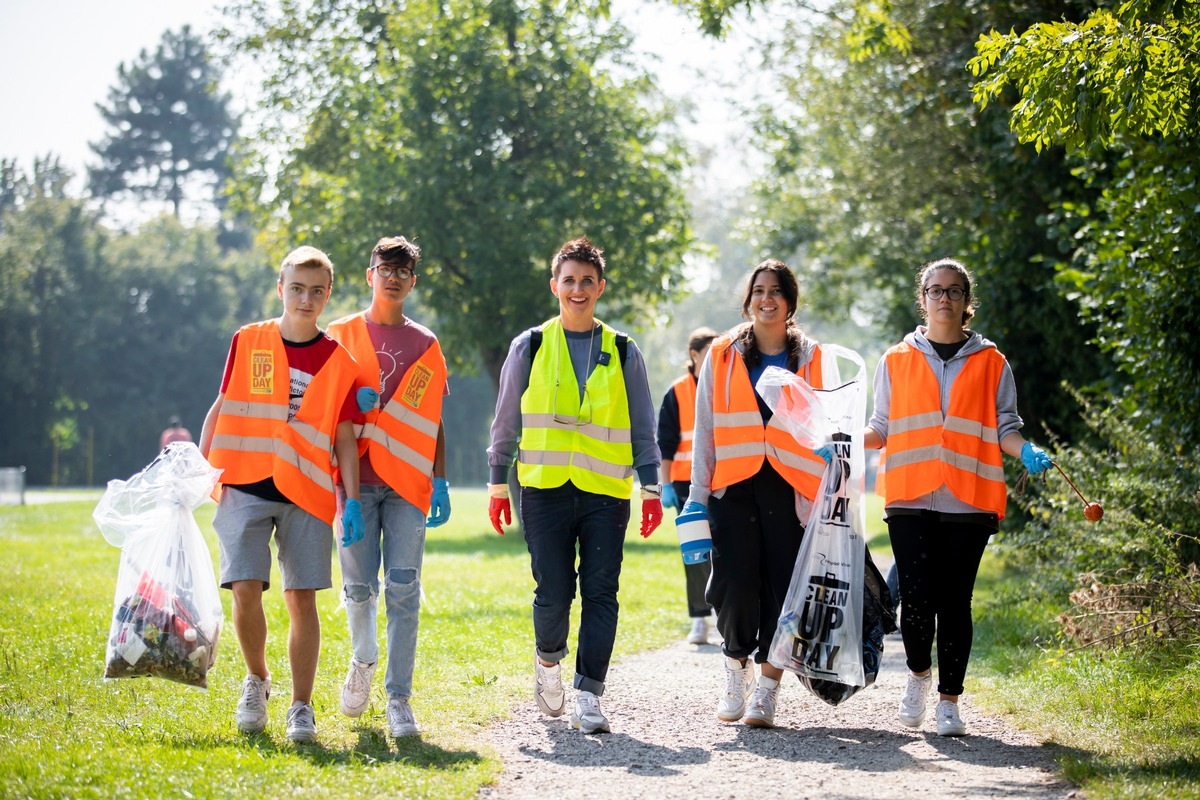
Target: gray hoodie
(1007, 419)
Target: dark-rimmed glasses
(387, 271)
(578, 421)
(955, 293)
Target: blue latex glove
(439, 504)
(695, 550)
(693, 507)
(669, 497)
(367, 398)
(352, 522)
(1035, 458)
(825, 451)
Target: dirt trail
(667, 743)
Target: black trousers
(756, 537)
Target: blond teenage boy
(285, 407)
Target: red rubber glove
(652, 515)
(501, 507)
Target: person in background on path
(746, 472)
(676, 418)
(402, 472)
(574, 394)
(285, 408)
(945, 409)
(175, 432)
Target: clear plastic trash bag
(830, 633)
(167, 614)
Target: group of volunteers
(314, 427)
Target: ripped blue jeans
(395, 540)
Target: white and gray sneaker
(356, 689)
(739, 683)
(699, 632)
(401, 721)
(251, 715)
(301, 722)
(949, 723)
(916, 695)
(761, 713)
(548, 688)
(587, 716)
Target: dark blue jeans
(557, 523)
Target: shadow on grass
(372, 748)
(1081, 768)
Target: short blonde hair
(310, 258)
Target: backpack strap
(535, 341)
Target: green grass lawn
(1124, 727)
(66, 732)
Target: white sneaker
(301, 722)
(587, 716)
(739, 683)
(251, 715)
(699, 631)
(548, 688)
(356, 690)
(916, 695)
(948, 721)
(401, 721)
(761, 712)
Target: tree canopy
(489, 131)
(169, 124)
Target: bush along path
(666, 742)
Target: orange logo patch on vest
(418, 383)
(262, 372)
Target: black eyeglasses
(387, 271)
(955, 293)
(579, 420)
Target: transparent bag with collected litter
(167, 613)
(836, 611)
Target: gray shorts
(244, 524)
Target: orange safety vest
(741, 439)
(960, 450)
(253, 439)
(685, 397)
(401, 438)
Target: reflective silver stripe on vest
(243, 444)
(973, 465)
(685, 456)
(686, 436)
(793, 461)
(913, 422)
(740, 450)
(737, 419)
(601, 433)
(545, 458)
(310, 433)
(309, 470)
(914, 455)
(412, 419)
(245, 408)
(401, 451)
(972, 427)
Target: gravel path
(666, 742)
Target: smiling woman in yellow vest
(746, 472)
(402, 472)
(945, 408)
(676, 421)
(285, 407)
(574, 397)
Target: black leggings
(938, 558)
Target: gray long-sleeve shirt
(1007, 419)
(514, 380)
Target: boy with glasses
(574, 394)
(402, 473)
(285, 407)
